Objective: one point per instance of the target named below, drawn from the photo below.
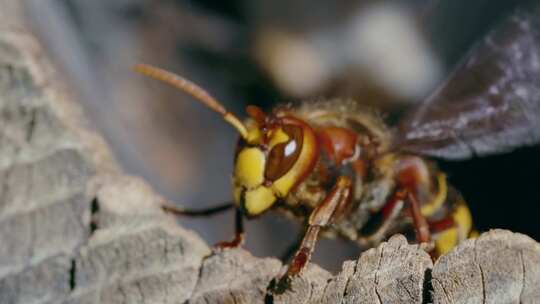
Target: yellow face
(270, 163)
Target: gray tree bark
(75, 229)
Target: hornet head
(274, 154)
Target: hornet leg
(291, 249)
(238, 236)
(239, 225)
(328, 210)
(391, 211)
(201, 212)
(413, 175)
(421, 227)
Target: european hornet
(340, 168)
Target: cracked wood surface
(74, 229)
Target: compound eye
(283, 156)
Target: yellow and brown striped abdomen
(449, 217)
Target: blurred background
(390, 54)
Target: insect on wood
(339, 168)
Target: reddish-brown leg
(239, 225)
(320, 217)
(303, 254)
(391, 211)
(292, 248)
(238, 236)
(421, 227)
(412, 175)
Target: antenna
(195, 91)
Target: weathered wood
(74, 229)
(498, 267)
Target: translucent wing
(490, 104)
